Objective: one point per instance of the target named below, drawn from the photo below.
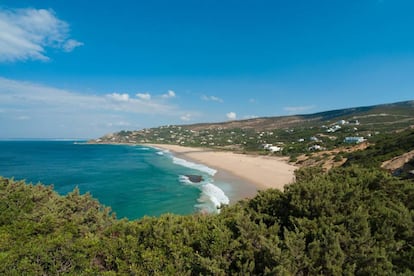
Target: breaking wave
(195, 166)
(211, 197)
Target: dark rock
(195, 178)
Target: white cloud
(186, 117)
(58, 112)
(27, 33)
(250, 117)
(212, 98)
(118, 124)
(169, 94)
(71, 44)
(119, 97)
(298, 109)
(231, 116)
(144, 96)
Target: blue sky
(78, 69)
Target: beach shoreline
(247, 173)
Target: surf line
(211, 196)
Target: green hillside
(383, 148)
(299, 134)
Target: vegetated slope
(392, 151)
(349, 221)
(294, 135)
(42, 233)
(385, 148)
(377, 114)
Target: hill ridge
(284, 135)
(323, 115)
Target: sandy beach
(261, 171)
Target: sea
(133, 180)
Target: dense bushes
(385, 147)
(41, 231)
(349, 221)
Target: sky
(82, 69)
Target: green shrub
(348, 221)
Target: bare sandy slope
(261, 171)
(398, 162)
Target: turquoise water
(133, 180)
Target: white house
(314, 139)
(267, 146)
(274, 149)
(355, 140)
(333, 128)
(315, 147)
(342, 122)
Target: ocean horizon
(133, 180)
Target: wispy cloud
(144, 96)
(30, 95)
(186, 117)
(27, 33)
(169, 94)
(212, 98)
(48, 108)
(250, 117)
(231, 116)
(298, 109)
(118, 124)
(71, 44)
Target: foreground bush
(348, 221)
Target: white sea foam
(160, 149)
(211, 197)
(212, 193)
(195, 166)
(185, 179)
(162, 152)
